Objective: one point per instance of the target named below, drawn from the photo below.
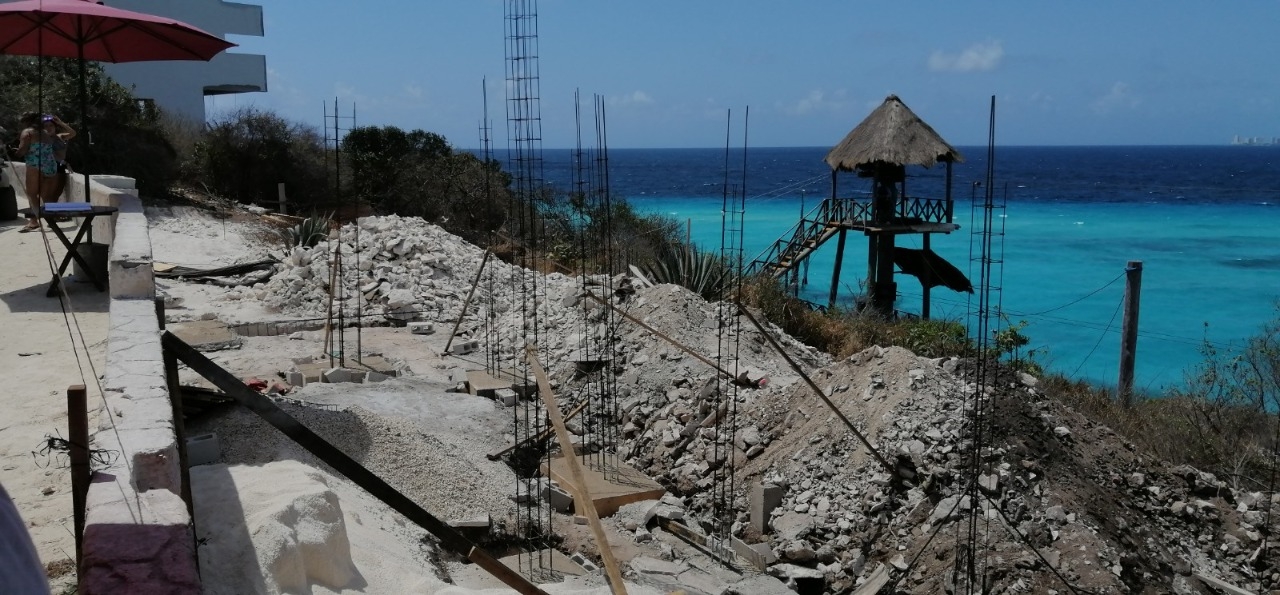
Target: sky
(1133, 72)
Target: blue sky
(1082, 73)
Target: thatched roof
(891, 134)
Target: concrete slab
(543, 566)
(481, 384)
(207, 335)
(611, 484)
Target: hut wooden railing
(927, 210)
(833, 214)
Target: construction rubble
(1061, 505)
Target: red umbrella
(86, 30)
(89, 31)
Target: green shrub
(247, 153)
(704, 273)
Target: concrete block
(203, 449)
(335, 375)
(421, 328)
(464, 347)
(582, 561)
(560, 500)
(296, 378)
(761, 501)
(136, 542)
(505, 396)
(473, 523)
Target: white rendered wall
(179, 87)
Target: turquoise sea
(1203, 220)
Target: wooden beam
(581, 496)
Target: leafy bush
(418, 174)
(247, 153)
(123, 137)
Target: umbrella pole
(84, 111)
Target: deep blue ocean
(1202, 219)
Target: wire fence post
(1129, 331)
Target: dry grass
(1231, 440)
(843, 333)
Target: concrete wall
(138, 534)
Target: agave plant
(310, 232)
(704, 273)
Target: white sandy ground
(38, 363)
(385, 553)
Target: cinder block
(464, 347)
(559, 499)
(763, 499)
(505, 396)
(203, 449)
(421, 328)
(296, 378)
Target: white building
(179, 87)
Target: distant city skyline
(1131, 73)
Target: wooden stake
(467, 302)
(78, 436)
(581, 496)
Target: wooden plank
(608, 495)
(1220, 585)
(582, 496)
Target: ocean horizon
(1201, 218)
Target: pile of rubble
(1060, 504)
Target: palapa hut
(881, 147)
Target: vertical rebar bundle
(335, 128)
(524, 157)
(986, 254)
(724, 405)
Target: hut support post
(925, 282)
(884, 290)
(835, 273)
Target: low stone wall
(138, 535)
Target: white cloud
(632, 98)
(978, 57)
(1120, 96)
(817, 100)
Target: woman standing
(43, 144)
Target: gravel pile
(434, 474)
